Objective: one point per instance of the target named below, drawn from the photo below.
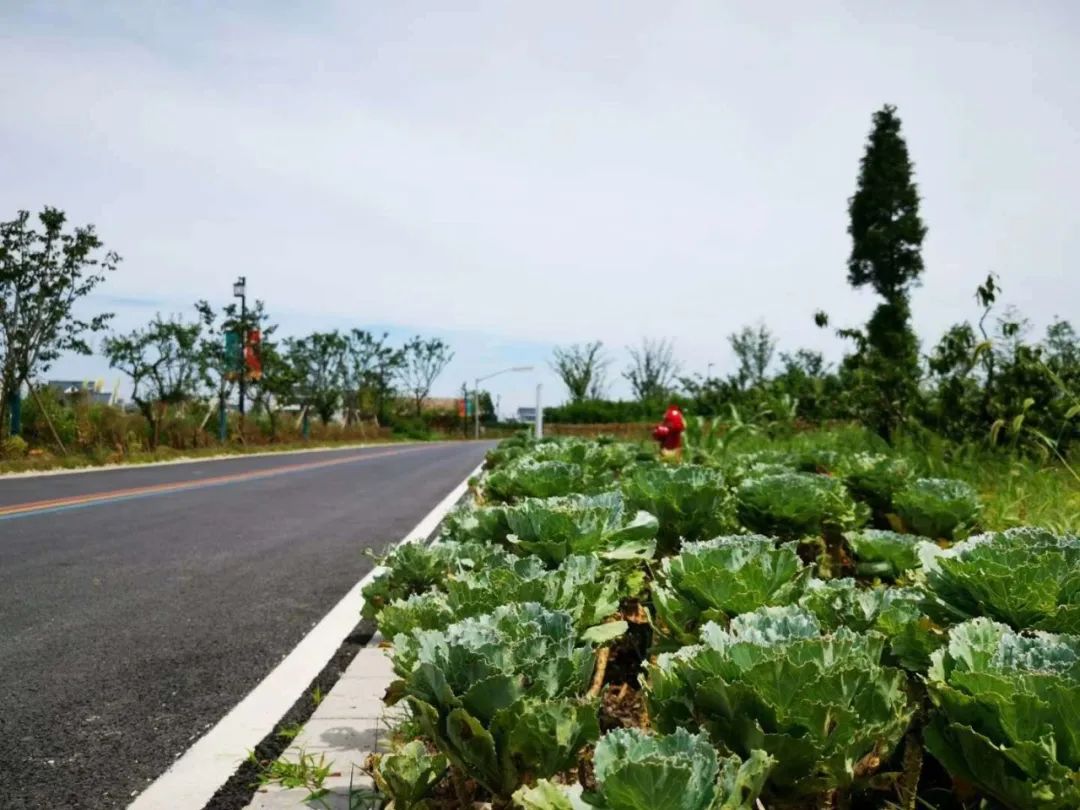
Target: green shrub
(13, 447)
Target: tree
(318, 364)
(886, 230)
(224, 366)
(278, 384)
(43, 274)
(372, 364)
(886, 243)
(582, 368)
(165, 364)
(422, 363)
(754, 349)
(652, 369)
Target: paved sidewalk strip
(350, 723)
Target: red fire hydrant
(669, 432)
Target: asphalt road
(129, 626)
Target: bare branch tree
(754, 348)
(424, 361)
(582, 367)
(652, 369)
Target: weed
(290, 731)
(306, 772)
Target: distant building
(527, 415)
(72, 390)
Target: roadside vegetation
(852, 587)
(220, 380)
(820, 621)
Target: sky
(515, 176)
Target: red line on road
(179, 486)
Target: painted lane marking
(91, 499)
(192, 780)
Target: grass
(306, 772)
(1016, 490)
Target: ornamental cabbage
(937, 507)
(820, 703)
(875, 479)
(555, 528)
(582, 587)
(690, 502)
(723, 577)
(1007, 714)
(884, 554)
(793, 505)
(409, 774)
(639, 771)
(896, 613)
(1025, 577)
(500, 695)
(415, 568)
(525, 478)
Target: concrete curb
(350, 724)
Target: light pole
(708, 371)
(239, 290)
(476, 394)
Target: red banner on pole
(252, 361)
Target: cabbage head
(938, 507)
(821, 704)
(1027, 577)
(639, 771)
(690, 502)
(1007, 714)
(794, 505)
(555, 528)
(500, 695)
(896, 613)
(885, 554)
(720, 578)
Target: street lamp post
(240, 291)
(476, 394)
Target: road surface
(138, 605)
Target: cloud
(544, 174)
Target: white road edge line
(192, 780)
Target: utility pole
(240, 291)
(465, 409)
(539, 421)
(476, 409)
(476, 394)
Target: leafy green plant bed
(603, 628)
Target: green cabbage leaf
(1007, 716)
